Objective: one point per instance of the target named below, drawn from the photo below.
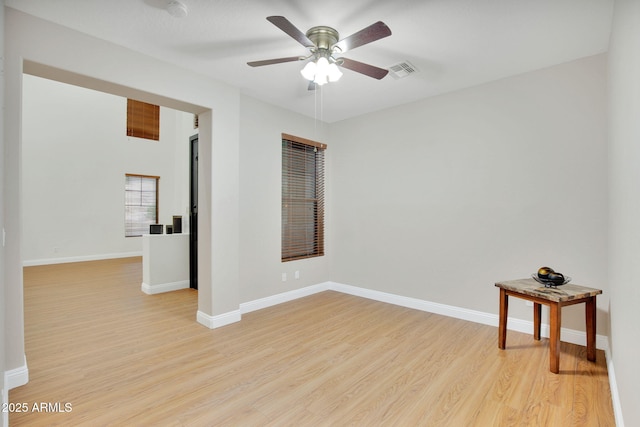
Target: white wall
(261, 268)
(44, 49)
(441, 198)
(4, 419)
(624, 221)
(75, 157)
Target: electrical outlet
(528, 303)
(56, 249)
(297, 274)
(284, 277)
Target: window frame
(302, 197)
(127, 221)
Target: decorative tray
(548, 283)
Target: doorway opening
(78, 81)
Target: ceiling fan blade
(370, 34)
(362, 68)
(274, 61)
(286, 26)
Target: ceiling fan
(324, 46)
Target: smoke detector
(177, 9)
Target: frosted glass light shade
(334, 73)
(309, 71)
(321, 71)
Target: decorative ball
(556, 278)
(543, 272)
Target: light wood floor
(121, 357)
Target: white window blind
(141, 204)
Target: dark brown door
(193, 214)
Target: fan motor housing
(323, 37)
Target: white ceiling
(453, 43)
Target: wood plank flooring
(120, 357)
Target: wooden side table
(555, 298)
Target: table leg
(590, 312)
(537, 314)
(554, 337)
(502, 323)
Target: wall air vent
(402, 70)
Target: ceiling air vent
(402, 70)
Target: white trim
(48, 261)
(247, 307)
(224, 319)
(613, 385)
(220, 320)
(16, 377)
(418, 304)
(164, 287)
(567, 335)
(5, 401)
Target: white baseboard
(16, 377)
(218, 321)
(418, 304)
(259, 304)
(164, 287)
(613, 385)
(63, 260)
(224, 319)
(567, 335)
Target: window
(140, 204)
(143, 120)
(302, 198)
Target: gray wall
(441, 198)
(624, 214)
(261, 128)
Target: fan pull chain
(318, 111)
(321, 106)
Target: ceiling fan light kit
(321, 71)
(323, 43)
